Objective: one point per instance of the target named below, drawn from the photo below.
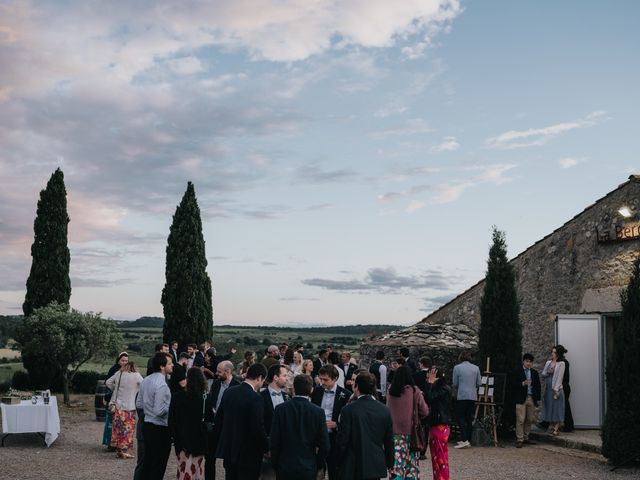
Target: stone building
(569, 285)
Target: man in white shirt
(154, 398)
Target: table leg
(3, 437)
(43, 438)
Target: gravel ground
(78, 455)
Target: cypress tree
(620, 440)
(186, 296)
(500, 336)
(49, 276)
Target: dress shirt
(276, 397)
(328, 399)
(223, 388)
(383, 380)
(154, 398)
(190, 362)
(527, 374)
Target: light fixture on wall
(625, 211)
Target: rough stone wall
(567, 272)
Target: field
(139, 342)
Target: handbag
(418, 440)
(207, 427)
(112, 402)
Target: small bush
(21, 380)
(4, 386)
(85, 381)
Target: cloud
(185, 65)
(299, 299)
(540, 136)
(387, 281)
(81, 282)
(448, 144)
(569, 162)
(390, 109)
(433, 303)
(413, 126)
(314, 173)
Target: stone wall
(442, 342)
(568, 272)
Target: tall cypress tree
(620, 440)
(49, 276)
(500, 330)
(500, 336)
(186, 297)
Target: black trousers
(242, 471)
(157, 446)
(464, 416)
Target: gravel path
(78, 455)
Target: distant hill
(143, 322)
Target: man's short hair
(183, 355)
(193, 345)
(226, 365)
(400, 361)
(527, 356)
(160, 359)
(202, 347)
(158, 347)
(379, 355)
(165, 345)
(255, 371)
(322, 352)
(366, 383)
(465, 356)
(334, 358)
(302, 385)
(172, 342)
(330, 371)
(426, 362)
(404, 351)
(273, 371)
(346, 354)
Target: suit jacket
(412, 365)
(365, 440)
(174, 355)
(520, 391)
(239, 427)
(198, 360)
(348, 372)
(420, 379)
(317, 364)
(268, 407)
(342, 397)
(215, 389)
(299, 439)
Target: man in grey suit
(467, 379)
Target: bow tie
(330, 392)
(276, 394)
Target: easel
(485, 401)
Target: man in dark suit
(319, 362)
(331, 398)
(525, 386)
(420, 377)
(173, 350)
(404, 353)
(219, 387)
(299, 438)
(239, 424)
(273, 396)
(348, 368)
(365, 434)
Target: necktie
(276, 394)
(330, 392)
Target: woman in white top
(296, 366)
(553, 373)
(124, 384)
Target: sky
(349, 157)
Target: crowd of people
(286, 417)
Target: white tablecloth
(29, 418)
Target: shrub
(21, 380)
(85, 381)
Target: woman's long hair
(401, 378)
(196, 384)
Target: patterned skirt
(190, 467)
(439, 447)
(124, 427)
(405, 462)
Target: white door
(581, 336)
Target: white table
(26, 417)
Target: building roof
(632, 178)
(435, 335)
